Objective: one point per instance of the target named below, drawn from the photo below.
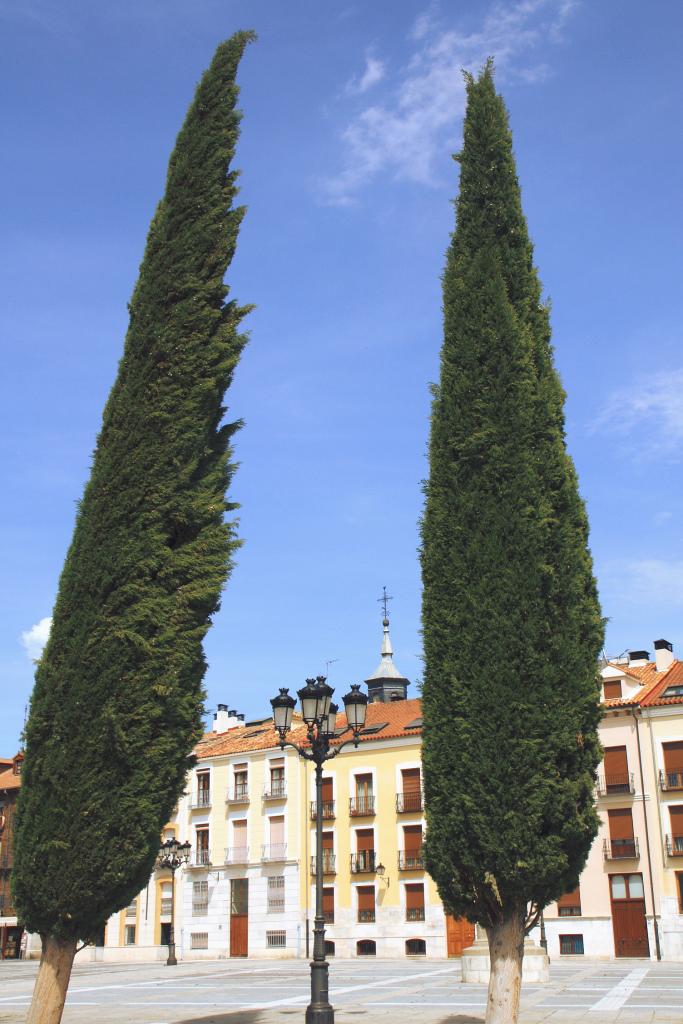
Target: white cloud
(404, 134)
(650, 414)
(35, 638)
(374, 73)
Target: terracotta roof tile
(653, 683)
(8, 780)
(397, 714)
(672, 677)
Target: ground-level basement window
(366, 947)
(571, 945)
(199, 940)
(276, 940)
(329, 948)
(416, 947)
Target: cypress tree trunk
(52, 983)
(511, 621)
(506, 952)
(117, 704)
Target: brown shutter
(412, 838)
(676, 815)
(415, 896)
(612, 688)
(328, 902)
(328, 794)
(366, 897)
(411, 780)
(616, 763)
(621, 823)
(570, 899)
(673, 756)
(328, 841)
(365, 839)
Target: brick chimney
(664, 655)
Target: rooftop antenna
(327, 666)
(384, 601)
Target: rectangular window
(676, 817)
(129, 938)
(617, 778)
(276, 894)
(366, 903)
(415, 902)
(612, 688)
(203, 788)
(328, 905)
(571, 945)
(569, 905)
(132, 908)
(410, 799)
(241, 782)
(410, 858)
(679, 890)
(202, 846)
(276, 940)
(277, 777)
(364, 801)
(365, 850)
(199, 940)
(622, 841)
(200, 898)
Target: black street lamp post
(319, 715)
(172, 855)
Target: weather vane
(384, 601)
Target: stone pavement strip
(362, 991)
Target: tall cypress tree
(511, 620)
(117, 702)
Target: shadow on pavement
(237, 1017)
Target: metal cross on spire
(384, 600)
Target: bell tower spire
(386, 683)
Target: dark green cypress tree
(511, 620)
(117, 704)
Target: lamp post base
(171, 962)
(319, 1010)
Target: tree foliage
(117, 702)
(511, 621)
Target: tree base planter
(476, 964)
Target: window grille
(329, 948)
(276, 940)
(416, 947)
(571, 945)
(366, 947)
(200, 898)
(276, 894)
(199, 940)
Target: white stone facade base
(476, 965)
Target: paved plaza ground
(382, 991)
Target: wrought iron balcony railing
(237, 855)
(276, 790)
(360, 806)
(670, 780)
(274, 851)
(410, 860)
(201, 858)
(366, 916)
(620, 849)
(415, 913)
(674, 846)
(407, 802)
(328, 810)
(202, 799)
(329, 864)
(238, 795)
(363, 861)
(611, 785)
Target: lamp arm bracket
(301, 751)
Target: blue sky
(351, 112)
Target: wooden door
(628, 916)
(239, 917)
(459, 935)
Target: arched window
(366, 947)
(329, 948)
(416, 947)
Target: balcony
(277, 790)
(239, 795)
(415, 913)
(328, 810)
(202, 799)
(613, 785)
(366, 916)
(410, 860)
(201, 859)
(674, 846)
(329, 864)
(237, 855)
(670, 781)
(274, 852)
(407, 803)
(363, 862)
(361, 806)
(620, 849)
